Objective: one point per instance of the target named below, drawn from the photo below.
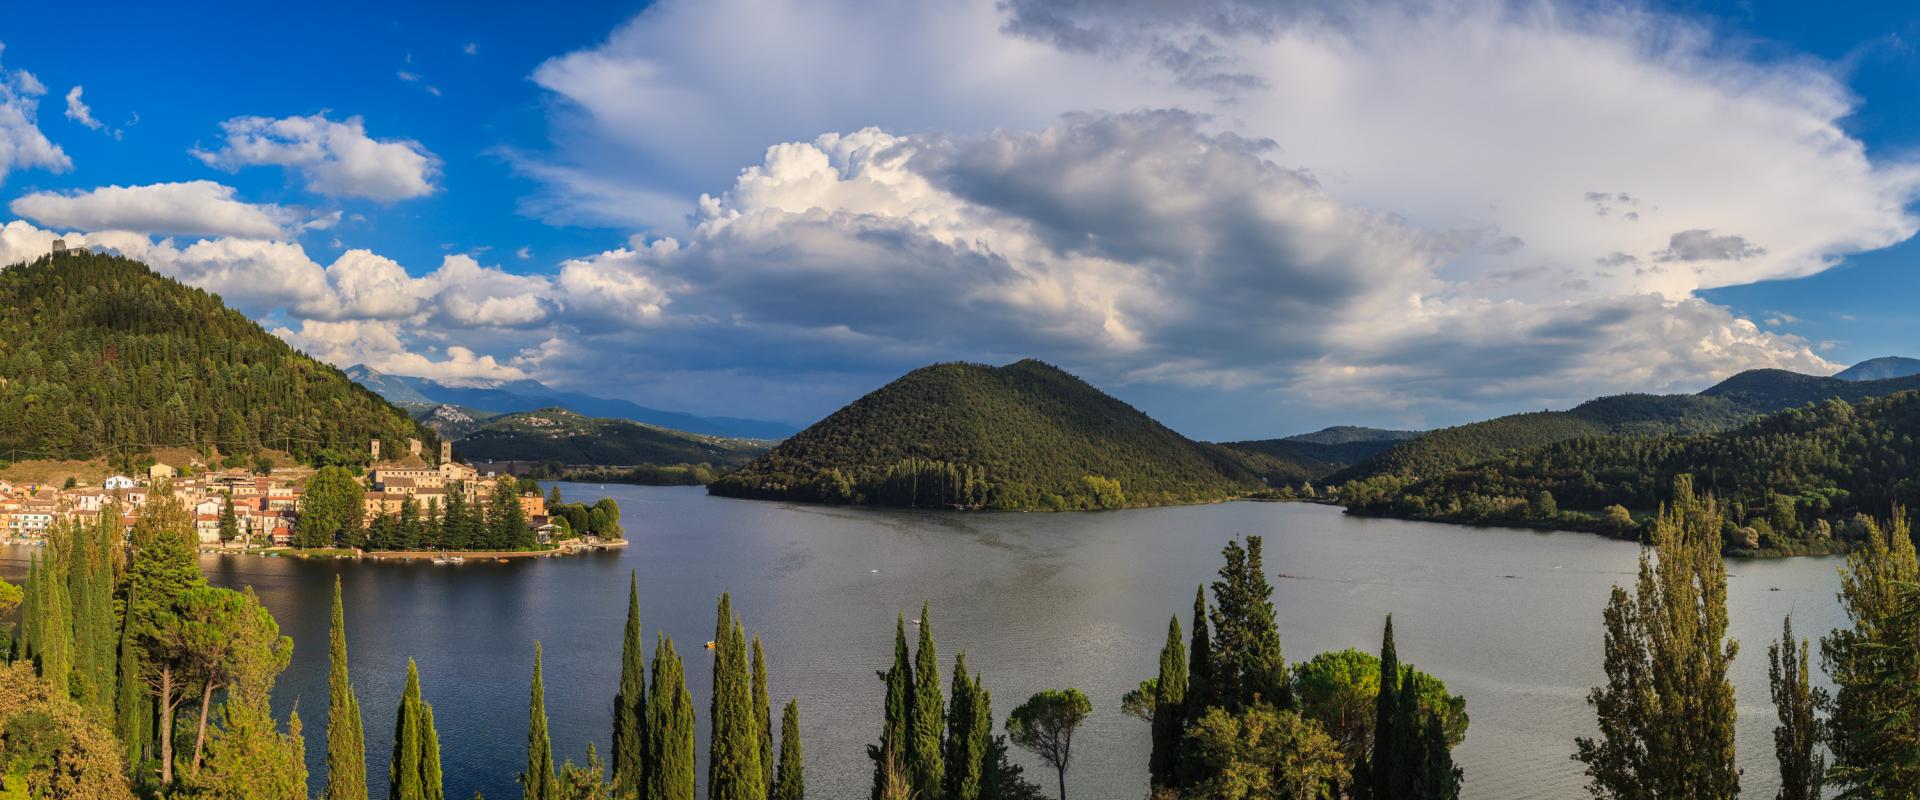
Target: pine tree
(790, 783)
(669, 728)
(539, 781)
(733, 753)
(969, 733)
(1666, 713)
(403, 772)
(1796, 740)
(1247, 663)
(926, 768)
(346, 740)
(630, 704)
(763, 713)
(1169, 709)
(1873, 718)
(899, 709)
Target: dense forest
(100, 356)
(1022, 436)
(1730, 403)
(1314, 456)
(556, 434)
(1794, 481)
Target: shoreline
(568, 549)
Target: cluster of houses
(266, 508)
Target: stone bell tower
(376, 451)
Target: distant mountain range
(1876, 369)
(507, 397)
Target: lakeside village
(398, 501)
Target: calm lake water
(1509, 618)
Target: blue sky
(1246, 221)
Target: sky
(1246, 218)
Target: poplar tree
(969, 734)
(1796, 740)
(1873, 718)
(733, 753)
(630, 704)
(763, 713)
(669, 775)
(346, 739)
(899, 710)
(789, 783)
(1169, 709)
(539, 781)
(1666, 714)
(403, 772)
(926, 769)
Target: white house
(118, 483)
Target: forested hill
(1314, 456)
(1729, 403)
(1782, 475)
(556, 434)
(1023, 436)
(101, 356)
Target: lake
(1509, 618)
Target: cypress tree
(926, 766)
(30, 611)
(403, 772)
(56, 632)
(1199, 658)
(968, 735)
(899, 709)
(539, 781)
(1169, 709)
(733, 754)
(790, 782)
(133, 717)
(763, 714)
(79, 580)
(1247, 662)
(669, 728)
(346, 739)
(1383, 768)
(431, 779)
(106, 628)
(1434, 777)
(630, 704)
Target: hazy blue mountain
(1879, 369)
(507, 397)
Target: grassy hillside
(1022, 436)
(1792, 478)
(556, 434)
(99, 356)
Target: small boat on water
(709, 645)
(439, 559)
(501, 560)
(457, 560)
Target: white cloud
(379, 344)
(22, 145)
(337, 159)
(1353, 188)
(192, 208)
(78, 111)
(471, 48)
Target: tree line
(333, 514)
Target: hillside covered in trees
(100, 356)
(1314, 456)
(1022, 436)
(1727, 404)
(1793, 481)
(556, 434)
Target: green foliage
(898, 719)
(1246, 664)
(58, 749)
(1782, 475)
(1796, 739)
(1339, 690)
(790, 782)
(414, 771)
(630, 704)
(346, 739)
(763, 713)
(733, 753)
(1169, 713)
(1022, 436)
(926, 763)
(559, 435)
(669, 728)
(1045, 725)
(1873, 719)
(104, 357)
(538, 782)
(969, 734)
(1666, 713)
(331, 509)
(1262, 753)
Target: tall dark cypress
(1434, 777)
(431, 779)
(790, 782)
(403, 771)
(763, 713)
(968, 735)
(1200, 658)
(106, 628)
(899, 709)
(1169, 709)
(539, 781)
(926, 765)
(630, 704)
(346, 740)
(733, 753)
(669, 728)
(133, 709)
(1382, 771)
